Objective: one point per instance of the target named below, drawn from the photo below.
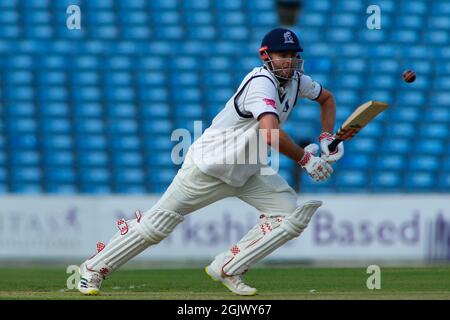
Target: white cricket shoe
(90, 281)
(233, 283)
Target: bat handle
(333, 145)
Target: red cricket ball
(409, 76)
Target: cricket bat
(357, 120)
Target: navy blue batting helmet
(280, 39)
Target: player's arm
(317, 168)
(327, 110)
(328, 118)
(314, 91)
(269, 124)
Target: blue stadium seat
(90, 126)
(21, 109)
(233, 33)
(429, 146)
(414, 7)
(125, 142)
(349, 97)
(352, 179)
(118, 126)
(386, 181)
(61, 188)
(130, 188)
(133, 17)
(231, 18)
(55, 158)
(55, 109)
(166, 18)
(26, 174)
(93, 159)
(20, 77)
(56, 125)
(26, 188)
(409, 21)
(121, 111)
(96, 188)
(222, 79)
(219, 95)
(434, 130)
(364, 145)
(128, 175)
(94, 175)
(314, 20)
(158, 143)
(187, 94)
(355, 161)
(438, 114)
(196, 5)
(424, 163)
(234, 5)
(3, 174)
(203, 33)
(188, 111)
(159, 110)
(386, 162)
(58, 142)
(91, 142)
(436, 37)
(373, 37)
(382, 81)
(400, 130)
(65, 175)
(421, 181)
(185, 79)
(444, 182)
(262, 5)
(25, 158)
(164, 175)
(396, 145)
(127, 159)
(439, 22)
(3, 188)
(404, 113)
(199, 18)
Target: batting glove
(316, 167)
(325, 139)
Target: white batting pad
(134, 236)
(266, 238)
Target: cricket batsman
(262, 103)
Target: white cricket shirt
(228, 149)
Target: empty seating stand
(92, 110)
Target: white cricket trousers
(192, 189)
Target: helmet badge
(288, 37)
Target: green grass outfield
(272, 283)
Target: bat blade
(364, 114)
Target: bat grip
(333, 145)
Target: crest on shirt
(288, 37)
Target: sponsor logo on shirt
(270, 102)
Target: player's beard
(284, 75)
(286, 72)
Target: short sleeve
(260, 97)
(309, 88)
